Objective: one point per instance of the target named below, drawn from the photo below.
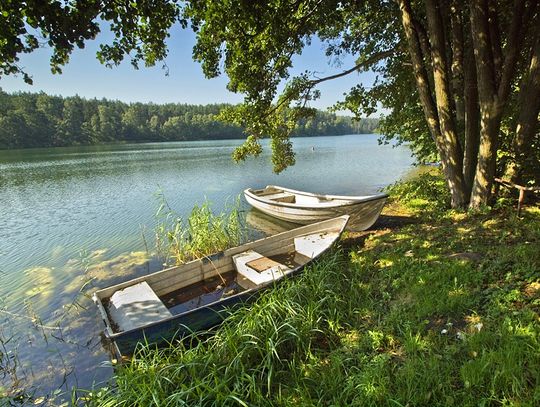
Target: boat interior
(180, 289)
(279, 195)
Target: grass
(444, 311)
(203, 233)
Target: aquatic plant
(204, 232)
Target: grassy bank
(440, 311)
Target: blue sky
(85, 76)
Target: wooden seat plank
(136, 306)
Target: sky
(86, 77)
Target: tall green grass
(203, 232)
(401, 321)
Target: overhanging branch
(314, 82)
(370, 61)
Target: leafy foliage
(140, 29)
(255, 46)
(426, 191)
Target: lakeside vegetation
(440, 310)
(201, 234)
(41, 120)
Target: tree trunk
(495, 37)
(454, 155)
(471, 126)
(450, 162)
(529, 105)
(492, 95)
(425, 50)
(457, 64)
(487, 95)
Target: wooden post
(520, 199)
(522, 190)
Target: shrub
(428, 191)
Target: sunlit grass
(407, 319)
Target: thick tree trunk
(485, 169)
(452, 147)
(487, 92)
(495, 37)
(451, 165)
(529, 108)
(425, 50)
(492, 95)
(457, 64)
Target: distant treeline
(41, 120)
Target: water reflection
(265, 224)
(62, 348)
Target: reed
(204, 232)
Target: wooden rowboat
(193, 297)
(305, 207)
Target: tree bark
(529, 108)
(495, 38)
(425, 50)
(457, 64)
(471, 125)
(451, 145)
(449, 161)
(420, 73)
(487, 95)
(492, 98)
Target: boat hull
(200, 320)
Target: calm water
(76, 218)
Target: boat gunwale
(357, 199)
(110, 334)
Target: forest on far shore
(41, 120)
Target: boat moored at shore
(305, 207)
(197, 295)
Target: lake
(74, 219)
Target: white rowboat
(197, 295)
(305, 207)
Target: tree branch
(370, 61)
(312, 83)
